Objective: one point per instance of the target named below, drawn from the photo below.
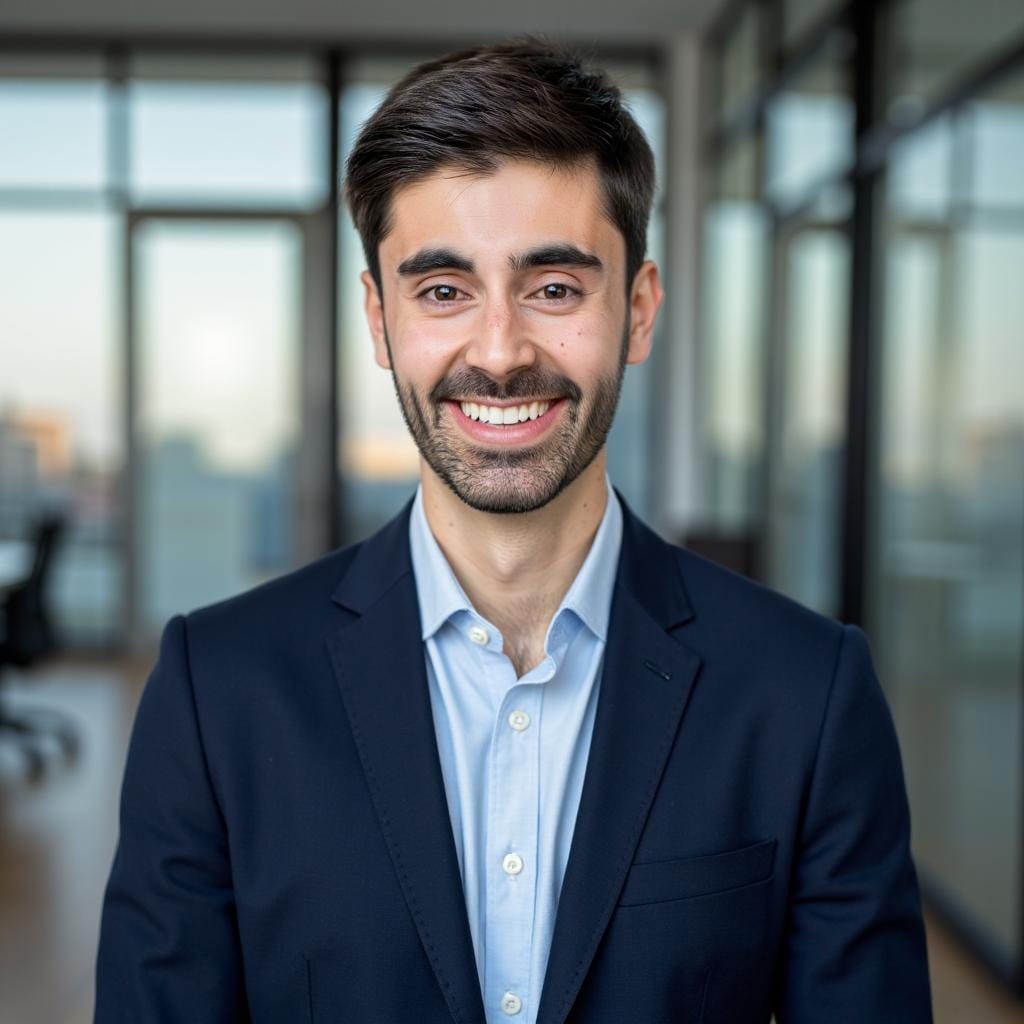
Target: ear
(373, 305)
(645, 297)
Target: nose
(501, 345)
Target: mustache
(527, 384)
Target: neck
(516, 568)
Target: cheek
(590, 344)
(431, 341)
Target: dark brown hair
(518, 100)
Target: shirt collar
(441, 595)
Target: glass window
(996, 128)
(377, 460)
(53, 120)
(920, 183)
(735, 257)
(810, 125)
(933, 43)
(630, 433)
(948, 557)
(812, 284)
(60, 408)
(239, 131)
(219, 342)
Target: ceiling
(604, 22)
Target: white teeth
(499, 415)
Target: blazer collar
(378, 564)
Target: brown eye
(555, 291)
(443, 293)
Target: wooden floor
(57, 838)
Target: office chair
(26, 638)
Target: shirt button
(519, 720)
(511, 1003)
(512, 864)
(479, 635)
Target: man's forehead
(511, 213)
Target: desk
(15, 563)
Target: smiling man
(514, 757)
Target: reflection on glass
(949, 551)
(219, 343)
(810, 127)
(734, 270)
(53, 112)
(59, 406)
(810, 423)
(934, 43)
(228, 132)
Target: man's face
(506, 324)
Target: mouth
(506, 415)
(508, 423)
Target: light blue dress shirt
(513, 754)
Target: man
(514, 757)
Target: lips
(532, 420)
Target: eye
(441, 292)
(557, 292)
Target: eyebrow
(561, 254)
(428, 260)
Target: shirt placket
(512, 841)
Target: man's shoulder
(292, 604)
(722, 598)
(738, 626)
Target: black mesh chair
(27, 638)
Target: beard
(523, 479)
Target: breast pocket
(663, 880)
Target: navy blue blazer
(285, 854)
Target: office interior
(834, 404)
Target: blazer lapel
(645, 685)
(379, 664)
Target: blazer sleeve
(854, 947)
(169, 947)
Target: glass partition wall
(862, 334)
